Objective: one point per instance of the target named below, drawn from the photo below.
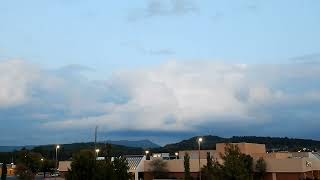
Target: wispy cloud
(307, 58)
(158, 52)
(164, 8)
(149, 51)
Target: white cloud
(16, 79)
(175, 96)
(181, 96)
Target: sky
(163, 70)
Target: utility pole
(199, 143)
(95, 143)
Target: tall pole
(199, 143)
(95, 142)
(56, 157)
(57, 147)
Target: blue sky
(69, 63)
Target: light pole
(147, 152)
(57, 147)
(176, 155)
(43, 168)
(199, 143)
(97, 153)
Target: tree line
(28, 164)
(84, 166)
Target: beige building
(280, 165)
(10, 169)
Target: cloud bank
(175, 97)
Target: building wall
(268, 176)
(176, 175)
(293, 176)
(10, 171)
(276, 155)
(194, 154)
(285, 165)
(292, 165)
(245, 148)
(177, 165)
(64, 166)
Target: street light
(97, 152)
(176, 155)
(147, 153)
(41, 159)
(199, 143)
(57, 147)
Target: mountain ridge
(272, 143)
(144, 143)
(209, 142)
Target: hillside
(209, 142)
(145, 144)
(13, 148)
(272, 143)
(189, 144)
(66, 150)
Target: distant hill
(272, 143)
(137, 147)
(144, 144)
(13, 148)
(191, 144)
(67, 150)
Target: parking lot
(37, 178)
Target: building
(10, 169)
(280, 165)
(63, 167)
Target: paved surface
(37, 178)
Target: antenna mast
(95, 142)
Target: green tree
(4, 171)
(187, 175)
(108, 152)
(212, 170)
(105, 170)
(23, 172)
(47, 166)
(261, 168)
(28, 164)
(85, 167)
(121, 168)
(159, 169)
(248, 162)
(217, 171)
(82, 167)
(207, 170)
(209, 161)
(236, 165)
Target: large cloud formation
(184, 97)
